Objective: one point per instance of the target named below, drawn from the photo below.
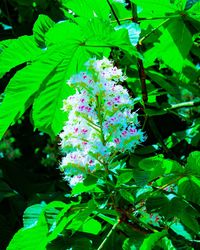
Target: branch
(141, 70)
(142, 76)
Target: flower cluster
(100, 122)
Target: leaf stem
(183, 105)
(109, 234)
(152, 31)
(114, 14)
(145, 18)
(157, 18)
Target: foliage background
(29, 159)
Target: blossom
(74, 180)
(100, 120)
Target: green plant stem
(145, 121)
(109, 234)
(190, 104)
(157, 18)
(161, 188)
(114, 14)
(149, 227)
(145, 18)
(92, 124)
(168, 184)
(152, 31)
(100, 118)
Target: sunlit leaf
(19, 51)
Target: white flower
(73, 181)
(100, 120)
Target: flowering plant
(119, 196)
(101, 122)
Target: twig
(109, 234)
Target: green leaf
(124, 178)
(31, 215)
(47, 113)
(82, 217)
(189, 187)
(171, 50)
(111, 221)
(152, 239)
(193, 163)
(163, 83)
(127, 196)
(69, 47)
(41, 26)
(166, 244)
(82, 188)
(63, 34)
(87, 9)
(166, 179)
(18, 51)
(52, 213)
(19, 94)
(101, 33)
(58, 220)
(140, 177)
(143, 192)
(167, 165)
(179, 229)
(129, 244)
(194, 12)
(158, 204)
(5, 44)
(29, 238)
(156, 8)
(91, 226)
(191, 222)
(58, 228)
(157, 166)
